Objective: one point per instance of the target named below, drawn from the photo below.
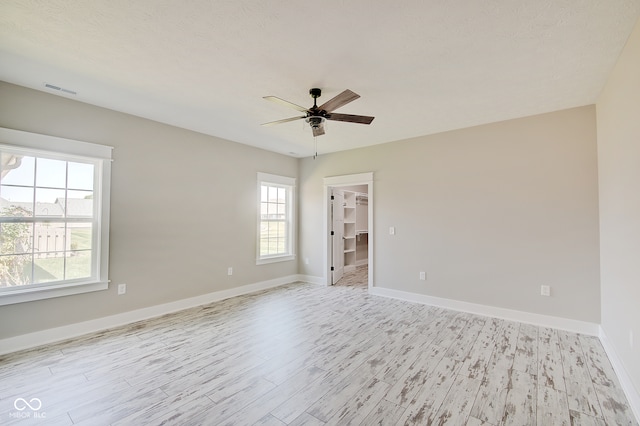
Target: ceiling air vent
(62, 89)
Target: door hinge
(332, 197)
(332, 268)
(332, 233)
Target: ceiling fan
(316, 115)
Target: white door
(337, 213)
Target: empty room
(332, 213)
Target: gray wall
(619, 171)
(490, 213)
(183, 209)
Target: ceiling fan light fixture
(315, 121)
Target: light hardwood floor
(356, 278)
(314, 355)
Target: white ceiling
(421, 66)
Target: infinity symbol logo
(21, 404)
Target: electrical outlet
(229, 270)
(423, 276)
(545, 290)
(306, 260)
(392, 230)
(122, 289)
(631, 339)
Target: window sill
(39, 293)
(275, 259)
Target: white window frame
(67, 149)
(290, 184)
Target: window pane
(49, 269)
(264, 245)
(50, 240)
(81, 236)
(263, 193)
(80, 176)
(50, 202)
(78, 264)
(79, 204)
(273, 194)
(272, 210)
(51, 173)
(15, 238)
(16, 201)
(273, 246)
(15, 270)
(17, 169)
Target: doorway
(348, 216)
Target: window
(275, 218)
(54, 223)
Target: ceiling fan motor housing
(315, 121)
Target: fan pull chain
(315, 146)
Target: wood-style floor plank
(490, 401)
(550, 370)
(526, 356)
(552, 407)
(520, 405)
(303, 354)
(425, 405)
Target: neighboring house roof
(76, 207)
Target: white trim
(311, 279)
(567, 324)
(27, 294)
(277, 179)
(630, 391)
(347, 180)
(39, 338)
(48, 143)
(274, 259)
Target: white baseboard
(312, 279)
(632, 394)
(38, 338)
(575, 326)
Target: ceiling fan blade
(362, 119)
(285, 103)
(340, 100)
(318, 131)
(286, 120)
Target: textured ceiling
(421, 66)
